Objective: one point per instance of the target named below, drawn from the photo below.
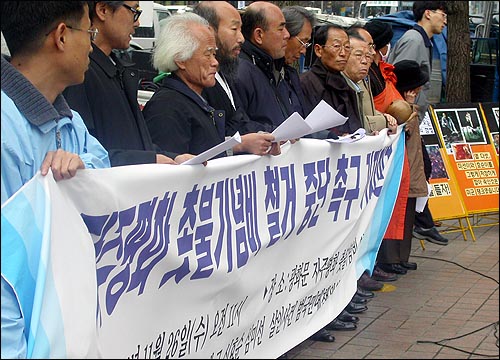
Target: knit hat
(380, 31)
(410, 75)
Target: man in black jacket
(107, 100)
(226, 21)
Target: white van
(152, 14)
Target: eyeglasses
(338, 47)
(136, 11)
(93, 32)
(306, 45)
(445, 16)
(372, 45)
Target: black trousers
(396, 251)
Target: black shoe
(380, 274)
(393, 268)
(354, 308)
(346, 317)
(337, 325)
(359, 300)
(431, 235)
(365, 282)
(365, 293)
(408, 265)
(323, 336)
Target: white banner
(243, 258)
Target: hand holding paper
(216, 150)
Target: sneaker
(365, 282)
(431, 235)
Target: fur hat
(410, 75)
(380, 31)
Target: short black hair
(112, 4)
(321, 33)
(252, 19)
(419, 8)
(26, 23)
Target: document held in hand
(322, 117)
(214, 151)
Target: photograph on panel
(438, 168)
(471, 127)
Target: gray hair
(295, 17)
(176, 42)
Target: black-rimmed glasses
(306, 45)
(136, 11)
(93, 32)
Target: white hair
(177, 41)
(5, 49)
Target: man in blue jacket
(50, 44)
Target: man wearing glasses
(415, 44)
(107, 99)
(50, 44)
(324, 80)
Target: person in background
(355, 73)
(395, 258)
(49, 43)
(424, 227)
(416, 45)
(107, 99)
(299, 23)
(375, 281)
(226, 22)
(324, 80)
(265, 95)
(382, 78)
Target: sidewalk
(438, 301)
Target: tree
(458, 87)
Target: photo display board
(467, 145)
(490, 114)
(445, 200)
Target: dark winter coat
(181, 121)
(320, 84)
(107, 102)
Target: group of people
(69, 102)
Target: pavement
(446, 309)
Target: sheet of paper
(292, 128)
(324, 117)
(214, 151)
(357, 135)
(421, 201)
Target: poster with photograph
(438, 166)
(495, 138)
(449, 127)
(462, 152)
(471, 127)
(468, 149)
(490, 114)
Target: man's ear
(102, 10)
(258, 35)
(59, 35)
(180, 64)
